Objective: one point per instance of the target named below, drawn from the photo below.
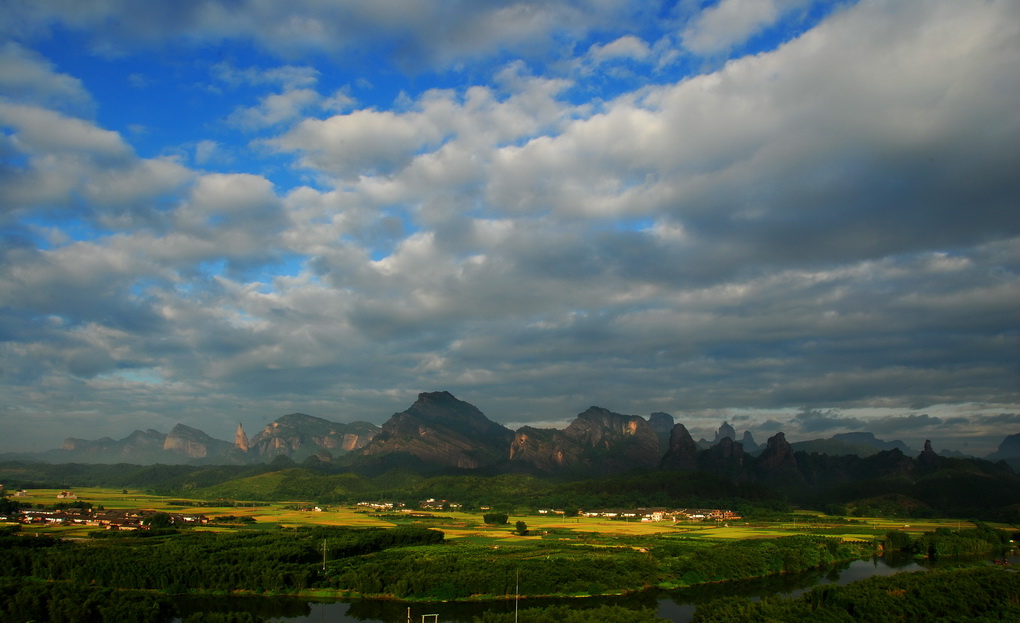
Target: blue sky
(788, 214)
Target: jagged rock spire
(241, 440)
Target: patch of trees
(753, 558)
(33, 600)
(9, 506)
(461, 571)
(568, 614)
(948, 543)
(275, 561)
(889, 484)
(972, 594)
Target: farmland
(457, 525)
(175, 545)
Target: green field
(470, 527)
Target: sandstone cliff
(299, 436)
(597, 442)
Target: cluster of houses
(380, 506)
(111, 520)
(86, 516)
(663, 514)
(638, 514)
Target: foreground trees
(132, 576)
(975, 594)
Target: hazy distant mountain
(1009, 451)
(868, 439)
(725, 432)
(296, 435)
(750, 446)
(444, 431)
(439, 432)
(182, 445)
(860, 444)
(140, 446)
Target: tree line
(972, 594)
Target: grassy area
(469, 526)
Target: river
(677, 606)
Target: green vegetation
(759, 558)
(947, 543)
(975, 594)
(281, 561)
(257, 540)
(34, 600)
(465, 571)
(565, 614)
(407, 562)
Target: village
(638, 514)
(67, 509)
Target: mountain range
(439, 431)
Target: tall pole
(517, 594)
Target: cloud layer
(753, 211)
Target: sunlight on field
(277, 514)
(469, 527)
(110, 499)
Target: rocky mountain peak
(725, 431)
(726, 458)
(661, 423)
(777, 465)
(438, 428)
(595, 425)
(777, 455)
(683, 451)
(299, 435)
(597, 441)
(928, 457)
(445, 410)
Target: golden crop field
(469, 526)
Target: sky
(791, 215)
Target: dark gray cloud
(819, 237)
(813, 420)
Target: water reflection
(679, 606)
